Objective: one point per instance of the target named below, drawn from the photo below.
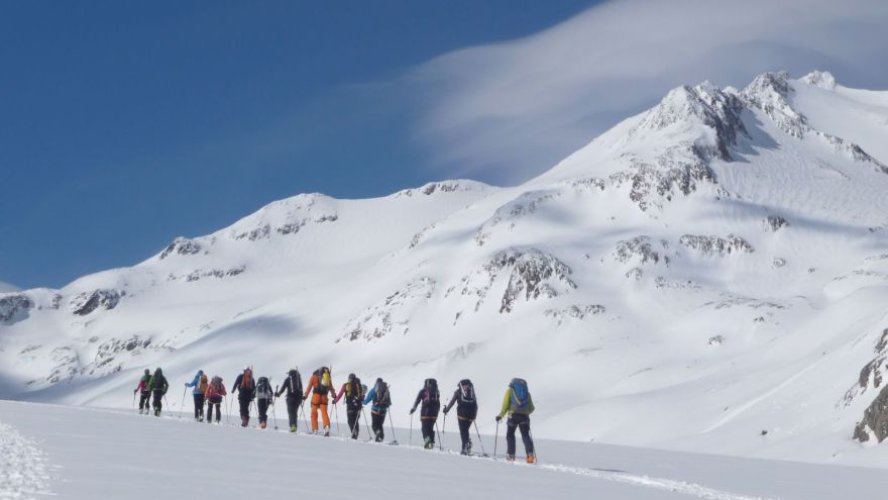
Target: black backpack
(382, 399)
(295, 383)
(430, 392)
(466, 391)
(353, 391)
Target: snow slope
(6, 287)
(86, 453)
(710, 275)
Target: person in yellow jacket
(519, 405)
(319, 386)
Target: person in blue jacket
(200, 384)
(381, 398)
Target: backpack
(353, 389)
(466, 391)
(216, 386)
(203, 385)
(382, 398)
(264, 388)
(247, 380)
(520, 398)
(324, 379)
(296, 383)
(430, 392)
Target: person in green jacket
(519, 405)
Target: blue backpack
(520, 400)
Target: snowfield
(88, 453)
(709, 276)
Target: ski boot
(429, 444)
(262, 425)
(326, 432)
(531, 458)
(156, 413)
(292, 428)
(510, 458)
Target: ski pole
(273, 413)
(440, 443)
(480, 441)
(441, 437)
(228, 413)
(336, 412)
(410, 439)
(305, 417)
(182, 405)
(134, 400)
(392, 424)
(369, 429)
(495, 439)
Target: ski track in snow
(22, 466)
(657, 483)
(682, 487)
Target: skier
(466, 411)
(200, 388)
(159, 386)
(215, 393)
(519, 405)
(245, 386)
(381, 398)
(320, 385)
(264, 398)
(293, 386)
(430, 398)
(145, 392)
(353, 392)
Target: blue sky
(124, 126)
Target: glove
(446, 410)
(412, 411)
(186, 384)
(499, 417)
(135, 391)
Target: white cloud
(507, 111)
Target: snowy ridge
(715, 260)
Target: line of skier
(517, 404)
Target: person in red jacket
(215, 393)
(353, 392)
(145, 396)
(320, 384)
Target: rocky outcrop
(873, 372)
(87, 302)
(875, 420)
(508, 215)
(392, 314)
(774, 223)
(181, 246)
(716, 246)
(575, 312)
(641, 250)
(443, 187)
(14, 307)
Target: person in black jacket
(245, 386)
(293, 386)
(428, 415)
(466, 411)
(159, 387)
(264, 399)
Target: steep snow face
(717, 262)
(6, 287)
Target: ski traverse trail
(23, 470)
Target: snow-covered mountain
(711, 274)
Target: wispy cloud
(508, 111)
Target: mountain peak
(822, 79)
